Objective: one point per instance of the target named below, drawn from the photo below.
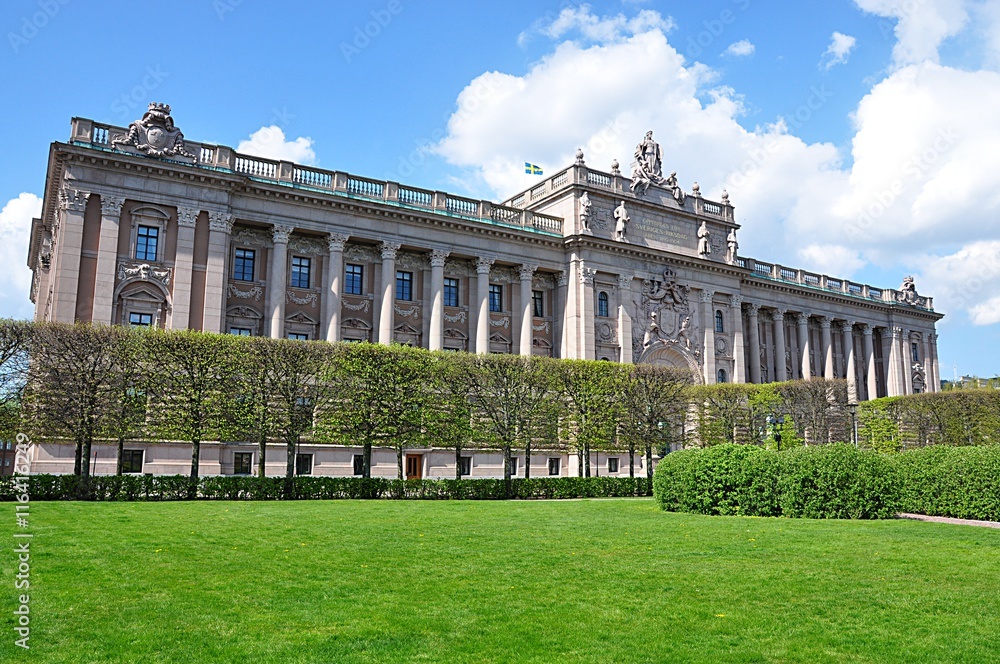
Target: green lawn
(572, 581)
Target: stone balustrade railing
(221, 158)
(843, 286)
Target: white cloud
(741, 49)
(270, 142)
(839, 50)
(921, 25)
(15, 280)
(583, 22)
(922, 179)
(966, 280)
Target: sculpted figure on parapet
(154, 134)
(648, 166)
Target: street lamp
(772, 422)
(853, 407)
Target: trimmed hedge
(175, 487)
(960, 482)
(827, 482)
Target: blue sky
(856, 137)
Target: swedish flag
(532, 169)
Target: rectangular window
(538, 303)
(613, 465)
(300, 271)
(359, 464)
(465, 465)
(132, 461)
(450, 292)
(554, 466)
(303, 464)
(353, 275)
(243, 463)
(404, 285)
(243, 264)
(915, 352)
(240, 331)
(146, 240)
(496, 298)
(513, 466)
(140, 320)
(298, 336)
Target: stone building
(141, 227)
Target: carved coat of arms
(155, 134)
(665, 315)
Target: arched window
(720, 324)
(602, 305)
(722, 376)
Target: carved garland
(256, 292)
(364, 305)
(309, 299)
(460, 317)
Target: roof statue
(648, 166)
(155, 134)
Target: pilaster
(107, 259)
(220, 226)
(334, 284)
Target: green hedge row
(175, 487)
(826, 482)
(960, 482)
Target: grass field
(421, 581)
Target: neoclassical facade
(140, 227)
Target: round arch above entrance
(672, 355)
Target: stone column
(525, 273)
(436, 340)
(803, 321)
(739, 358)
(935, 370)
(753, 330)
(871, 384)
(624, 320)
(847, 332)
(894, 381)
(220, 225)
(187, 221)
(708, 331)
(107, 261)
(907, 363)
(780, 366)
(586, 319)
(334, 284)
(483, 266)
(68, 243)
(827, 341)
(559, 315)
(278, 279)
(387, 317)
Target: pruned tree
(249, 412)
(128, 394)
(15, 343)
(377, 397)
(591, 397)
(71, 386)
(508, 394)
(654, 401)
(192, 382)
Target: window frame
(240, 264)
(617, 465)
(404, 286)
(300, 458)
(128, 461)
(720, 322)
(238, 458)
(145, 238)
(238, 331)
(538, 303)
(496, 299)
(451, 291)
(140, 315)
(354, 279)
(465, 466)
(300, 265)
(358, 465)
(602, 305)
(298, 336)
(555, 463)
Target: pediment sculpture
(154, 134)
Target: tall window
(353, 275)
(722, 378)
(915, 352)
(303, 464)
(720, 323)
(140, 320)
(404, 285)
(132, 461)
(613, 464)
(243, 264)
(554, 466)
(450, 292)
(602, 304)
(145, 243)
(242, 463)
(538, 303)
(359, 464)
(300, 271)
(465, 465)
(496, 298)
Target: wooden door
(414, 466)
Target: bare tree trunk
(527, 460)
(579, 455)
(368, 460)
(261, 456)
(631, 460)
(120, 464)
(289, 470)
(399, 461)
(586, 459)
(195, 456)
(77, 456)
(506, 463)
(458, 462)
(649, 461)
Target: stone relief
(143, 272)
(406, 313)
(309, 299)
(256, 292)
(307, 246)
(663, 315)
(458, 268)
(606, 333)
(460, 317)
(360, 253)
(363, 305)
(543, 281)
(252, 237)
(154, 134)
(408, 261)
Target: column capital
(111, 206)
(438, 257)
(802, 318)
(562, 278)
(625, 281)
(895, 332)
(280, 233)
(336, 241)
(220, 221)
(847, 326)
(753, 310)
(388, 250)
(483, 265)
(932, 337)
(525, 272)
(778, 315)
(736, 300)
(586, 274)
(706, 296)
(825, 322)
(186, 217)
(73, 200)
